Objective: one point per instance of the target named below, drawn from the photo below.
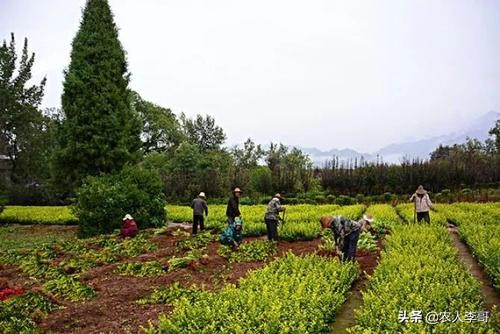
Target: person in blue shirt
(231, 236)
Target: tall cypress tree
(100, 132)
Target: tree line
(103, 126)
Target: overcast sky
(329, 74)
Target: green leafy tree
(245, 160)
(203, 132)
(21, 122)
(103, 200)
(100, 132)
(161, 128)
(494, 140)
(261, 180)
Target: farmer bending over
(231, 236)
(346, 233)
(272, 217)
(129, 227)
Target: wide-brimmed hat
(202, 194)
(421, 190)
(236, 190)
(278, 195)
(368, 218)
(326, 221)
(127, 216)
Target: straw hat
(127, 216)
(368, 218)
(202, 194)
(237, 190)
(326, 221)
(420, 190)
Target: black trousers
(350, 245)
(198, 219)
(425, 216)
(272, 229)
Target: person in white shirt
(422, 204)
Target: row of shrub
(420, 274)
(290, 295)
(479, 227)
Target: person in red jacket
(129, 227)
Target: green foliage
(100, 131)
(103, 201)
(258, 250)
(203, 132)
(168, 295)
(261, 180)
(161, 129)
(367, 241)
(290, 295)
(419, 270)
(479, 227)
(46, 215)
(327, 241)
(181, 262)
(69, 288)
(25, 133)
(17, 313)
(198, 241)
(292, 170)
(141, 269)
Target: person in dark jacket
(272, 217)
(346, 233)
(233, 206)
(231, 236)
(129, 227)
(199, 206)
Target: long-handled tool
(283, 219)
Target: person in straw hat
(272, 217)
(233, 206)
(199, 206)
(422, 204)
(129, 227)
(346, 233)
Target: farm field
(60, 284)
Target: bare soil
(114, 309)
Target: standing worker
(422, 204)
(233, 206)
(346, 233)
(199, 206)
(272, 217)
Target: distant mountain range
(394, 153)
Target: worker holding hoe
(272, 217)
(346, 233)
(231, 236)
(422, 204)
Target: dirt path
(491, 297)
(345, 316)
